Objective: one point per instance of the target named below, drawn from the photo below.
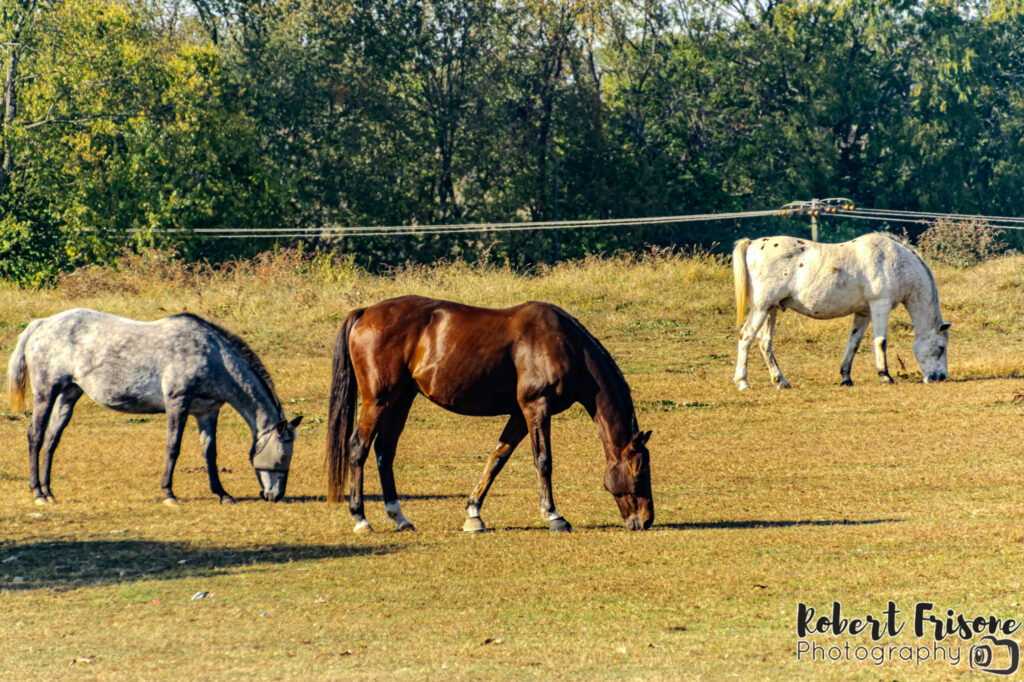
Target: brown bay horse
(529, 361)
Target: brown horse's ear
(642, 437)
(295, 422)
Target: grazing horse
(182, 365)
(865, 277)
(530, 362)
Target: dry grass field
(764, 499)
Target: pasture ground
(764, 499)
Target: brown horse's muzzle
(643, 517)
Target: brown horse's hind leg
(389, 428)
(59, 418)
(538, 420)
(359, 447)
(511, 436)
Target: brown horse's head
(628, 479)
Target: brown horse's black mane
(242, 348)
(609, 366)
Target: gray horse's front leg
(177, 415)
(860, 325)
(880, 311)
(208, 442)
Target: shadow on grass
(71, 564)
(307, 499)
(753, 524)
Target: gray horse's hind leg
(764, 342)
(59, 418)
(207, 424)
(748, 331)
(857, 329)
(177, 416)
(42, 407)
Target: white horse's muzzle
(272, 484)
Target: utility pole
(555, 200)
(814, 220)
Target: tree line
(137, 122)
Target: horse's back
(119, 362)
(827, 280)
(465, 358)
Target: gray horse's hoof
(170, 502)
(363, 528)
(846, 382)
(473, 524)
(560, 525)
(227, 499)
(406, 525)
(40, 501)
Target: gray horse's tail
(17, 369)
(740, 279)
(341, 411)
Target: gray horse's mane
(243, 349)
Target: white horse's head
(930, 350)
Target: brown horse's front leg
(511, 436)
(539, 423)
(177, 415)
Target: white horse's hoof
(405, 525)
(473, 524)
(742, 386)
(363, 528)
(170, 502)
(782, 384)
(40, 501)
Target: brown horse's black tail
(341, 411)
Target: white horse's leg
(748, 331)
(880, 324)
(860, 325)
(764, 342)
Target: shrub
(961, 243)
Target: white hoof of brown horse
(473, 524)
(170, 502)
(363, 528)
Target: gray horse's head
(930, 350)
(271, 458)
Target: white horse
(865, 277)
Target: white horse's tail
(17, 369)
(739, 274)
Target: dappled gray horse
(865, 277)
(180, 365)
